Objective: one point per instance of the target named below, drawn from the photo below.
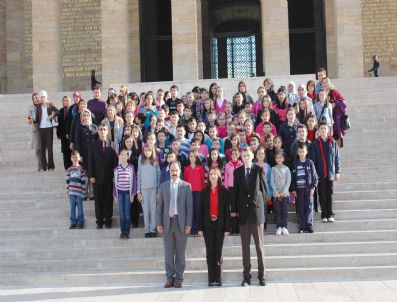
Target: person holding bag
(214, 224)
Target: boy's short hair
(302, 146)
(268, 124)
(302, 126)
(322, 124)
(191, 119)
(174, 87)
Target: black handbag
(345, 122)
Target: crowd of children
(294, 134)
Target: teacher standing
(213, 223)
(174, 220)
(250, 195)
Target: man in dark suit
(250, 195)
(174, 220)
(102, 159)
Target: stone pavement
(385, 291)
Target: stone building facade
(54, 44)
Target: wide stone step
(111, 264)
(230, 276)
(339, 225)
(46, 220)
(107, 239)
(195, 248)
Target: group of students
(294, 133)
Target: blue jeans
(125, 212)
(76, 201)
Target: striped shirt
(76, 181)
(301, 176)
(124, 180)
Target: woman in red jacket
(194, 174)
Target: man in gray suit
(174, 220)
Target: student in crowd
(228, 183)
(195, 176)
(97, 106)
(327, 163)
(323, 110)
(113, 122)
(76, 184)
(148, 183)
(269, 86)
(303, 185)
(280, 181)
(124, 191)
(281, 105)
(267, 170)
(288, 133)
(220, 102)
(63, 131)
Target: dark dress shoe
(72, 226)
(108, 226)
(147, 235)
(122, 236)
(178, 283)
(246, 282)
(169, 283)
(99, 226)
(218, 283)
(153, 235)
(80, 226)
(127, 236)
(262, 281)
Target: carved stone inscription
(379, 19)
(81, 42)
(28, 40)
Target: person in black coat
(250, 194)
(102, 159)
(63, 131)
(214, 223)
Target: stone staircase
(38, 249)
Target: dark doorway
(232, 39)
(156, 40)
(306, 36)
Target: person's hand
(312, 191)
(160, 229)
(233, 214)
(200, 233)
(92, 180)
(227, 234)
(139, 196)
(30, 120)
(337, 176)
(132, 198)
(333, 105)
(67, 136)
(277, 194)
(116, 200)
(294, 193)
(188, 229)
(71, 146)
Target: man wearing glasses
(102, 159)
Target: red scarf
(235, 163)
(320, 140)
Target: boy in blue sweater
(304, 182)
(76, 185)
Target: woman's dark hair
(198, 161)
(282, 89)
(218, 161)
(202, 134)
(210, 94)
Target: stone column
(46, 43)
(115, 42)
(347, 39)
(186, 39)
(275, 37)
(135, 42)
(2, 47)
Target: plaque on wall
(81, 42)
(379, 20)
